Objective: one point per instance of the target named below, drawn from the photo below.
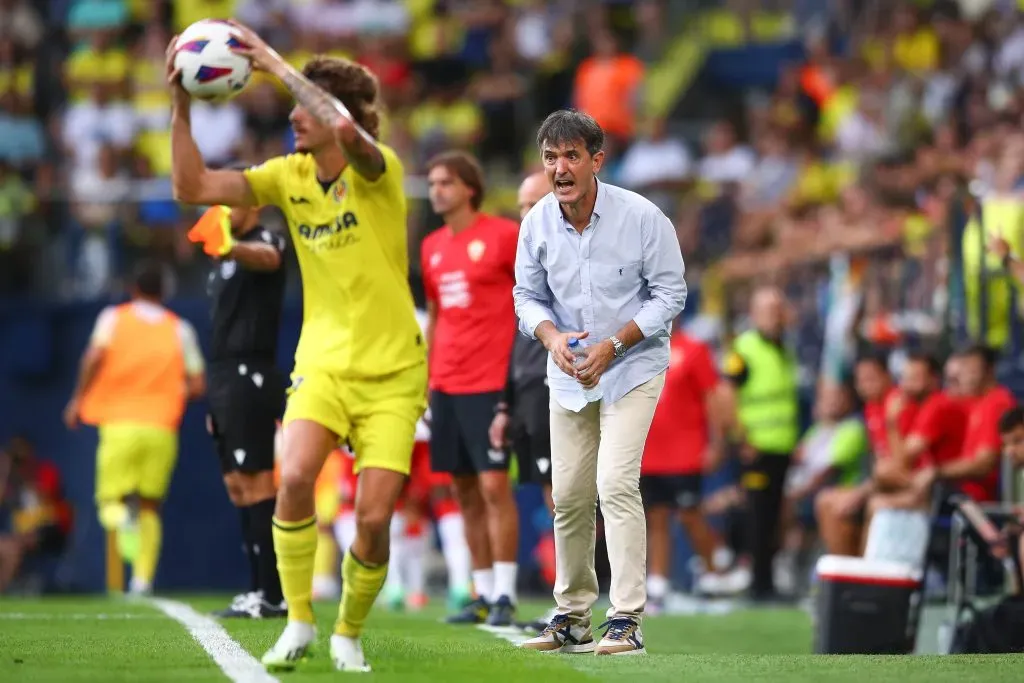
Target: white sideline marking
(509, 633)
(74, 616)
(233, 660)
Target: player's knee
(494, 489)
(467, 491)
(297, 480)
(149, 504)
(373, 521)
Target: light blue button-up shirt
(626, 265)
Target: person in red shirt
(904, 479)
(468, 273)
(685, 438)
(975, 471)
(32, 489)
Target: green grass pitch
(66, 640)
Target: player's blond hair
(353, 84)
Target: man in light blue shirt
(601, 264)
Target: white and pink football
(210, 70)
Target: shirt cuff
(531, 316)
(650, 322)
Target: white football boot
(291, 648)
(347, 654)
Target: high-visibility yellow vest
(768, 401)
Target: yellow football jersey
(359, 319)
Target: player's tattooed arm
(360, 148)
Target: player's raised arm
(193, 182)
(359, 146)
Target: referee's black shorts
(530, 433)
(246, 400)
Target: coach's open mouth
(563, 185)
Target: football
(209, 69)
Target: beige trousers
(595, 454)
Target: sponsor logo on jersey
(329, 236)
(227, 269)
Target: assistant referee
(246, 390)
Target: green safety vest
(769, 408)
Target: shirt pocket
(616, 281)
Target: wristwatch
(501, 407)
(620, 348)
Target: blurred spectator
(447, 119)
(218, 129)
(656, 165)
(1001, 221)
(831, 455)
(31, 491)
(20, 23)
(98, 210)
(608, 86)
(725, 159)
(499, 90)
(187, 12)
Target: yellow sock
(326, 562)
(360, 586)
(150, 539)
(295, 544)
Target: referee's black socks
(261, 525)
(254, 571)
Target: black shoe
(252, 606)
(241, 606)
(503, 612)
(475, 612)
(270, 611)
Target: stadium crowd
(842, 183)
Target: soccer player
(468, 272)
(360, 366)
(246, 390)
(141, 366)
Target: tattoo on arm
(360, 147)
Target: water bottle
(593, 394)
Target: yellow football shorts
(377, 417)
(134, 458)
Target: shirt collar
(600, 206)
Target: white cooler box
(864, 606)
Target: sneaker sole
(365, 669)
(581, 649)
(285, 667)
(622, 653)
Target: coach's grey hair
(568, 126)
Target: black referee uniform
(526, 400)
(246, 396)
